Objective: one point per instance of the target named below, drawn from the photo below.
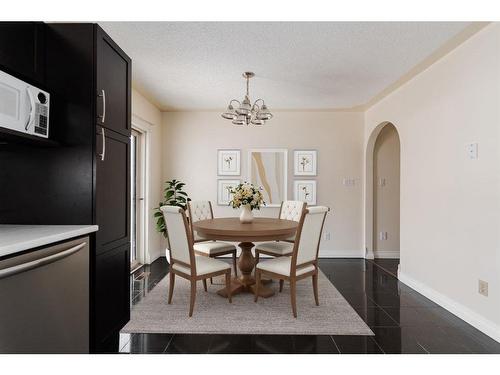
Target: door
(45, 300)
(137, 199)
(112, 294)
(22, 48)
(113, 85)
(112, 205)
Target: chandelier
(246, 113)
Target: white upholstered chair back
(310, 235)
(178, 233)
(291, 210)
(199, 210)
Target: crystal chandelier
(246, 113)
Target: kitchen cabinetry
(22, 46)
(91, 77)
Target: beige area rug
(215, 315)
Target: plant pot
(246, 216)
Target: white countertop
(16, 238)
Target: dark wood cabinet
(113, 84)
(90, 76)
(112, 272)
(22, 48)
(112, 189)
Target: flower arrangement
(246, 194)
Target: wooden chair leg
(211, 281)
(171, 287)
(228, 286)
(234, 264)
(205, 285)
(293, 297)
(281, 284)
(193, 297)
(257, 285)
(315, 288)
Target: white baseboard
(484, 325)
(325, 253)
(386, 254)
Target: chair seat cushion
(278, 248)
(213, 247)
(281, 266)
(204, 266)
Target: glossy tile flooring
(403, 320)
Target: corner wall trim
(387, 254)
(484, 325)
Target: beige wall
(450, 205)
(147, 117)
(386, 193)
(191, 140)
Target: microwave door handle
(32, 110)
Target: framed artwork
(305, 190)
(223, 187)
(228, 162)
(305, 162)
(267, 168)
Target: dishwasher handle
(40, 262)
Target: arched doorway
(382, 192)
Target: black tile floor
(403, 320)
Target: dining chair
(202, 210)
(183, 261)
(304, 260)
(289, 210)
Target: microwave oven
(23, 107)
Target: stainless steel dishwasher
(44, 300)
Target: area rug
(215, 315)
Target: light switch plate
(483, 288)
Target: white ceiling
(298, 65)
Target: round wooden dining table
(231, 229)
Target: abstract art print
(305, 162)
(223, 191)
(228, 162)
(305, 190)
(267, 168)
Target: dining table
(230, 229)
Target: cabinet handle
(103, 96)
(103, 153)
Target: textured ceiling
(298, 65)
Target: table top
(231, 229)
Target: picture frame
(223, 186)
(305, 191)
(305, 162)
(228, 162)
(268, 168)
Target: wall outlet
(483, 288)
(327, 236)
(381, 182)
(382, 236)
(471, 149)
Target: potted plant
(249, 198)
(174, 196)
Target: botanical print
(224, 191)
(268, 169)
(305, 191)
(228, 163)
(305, 162)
